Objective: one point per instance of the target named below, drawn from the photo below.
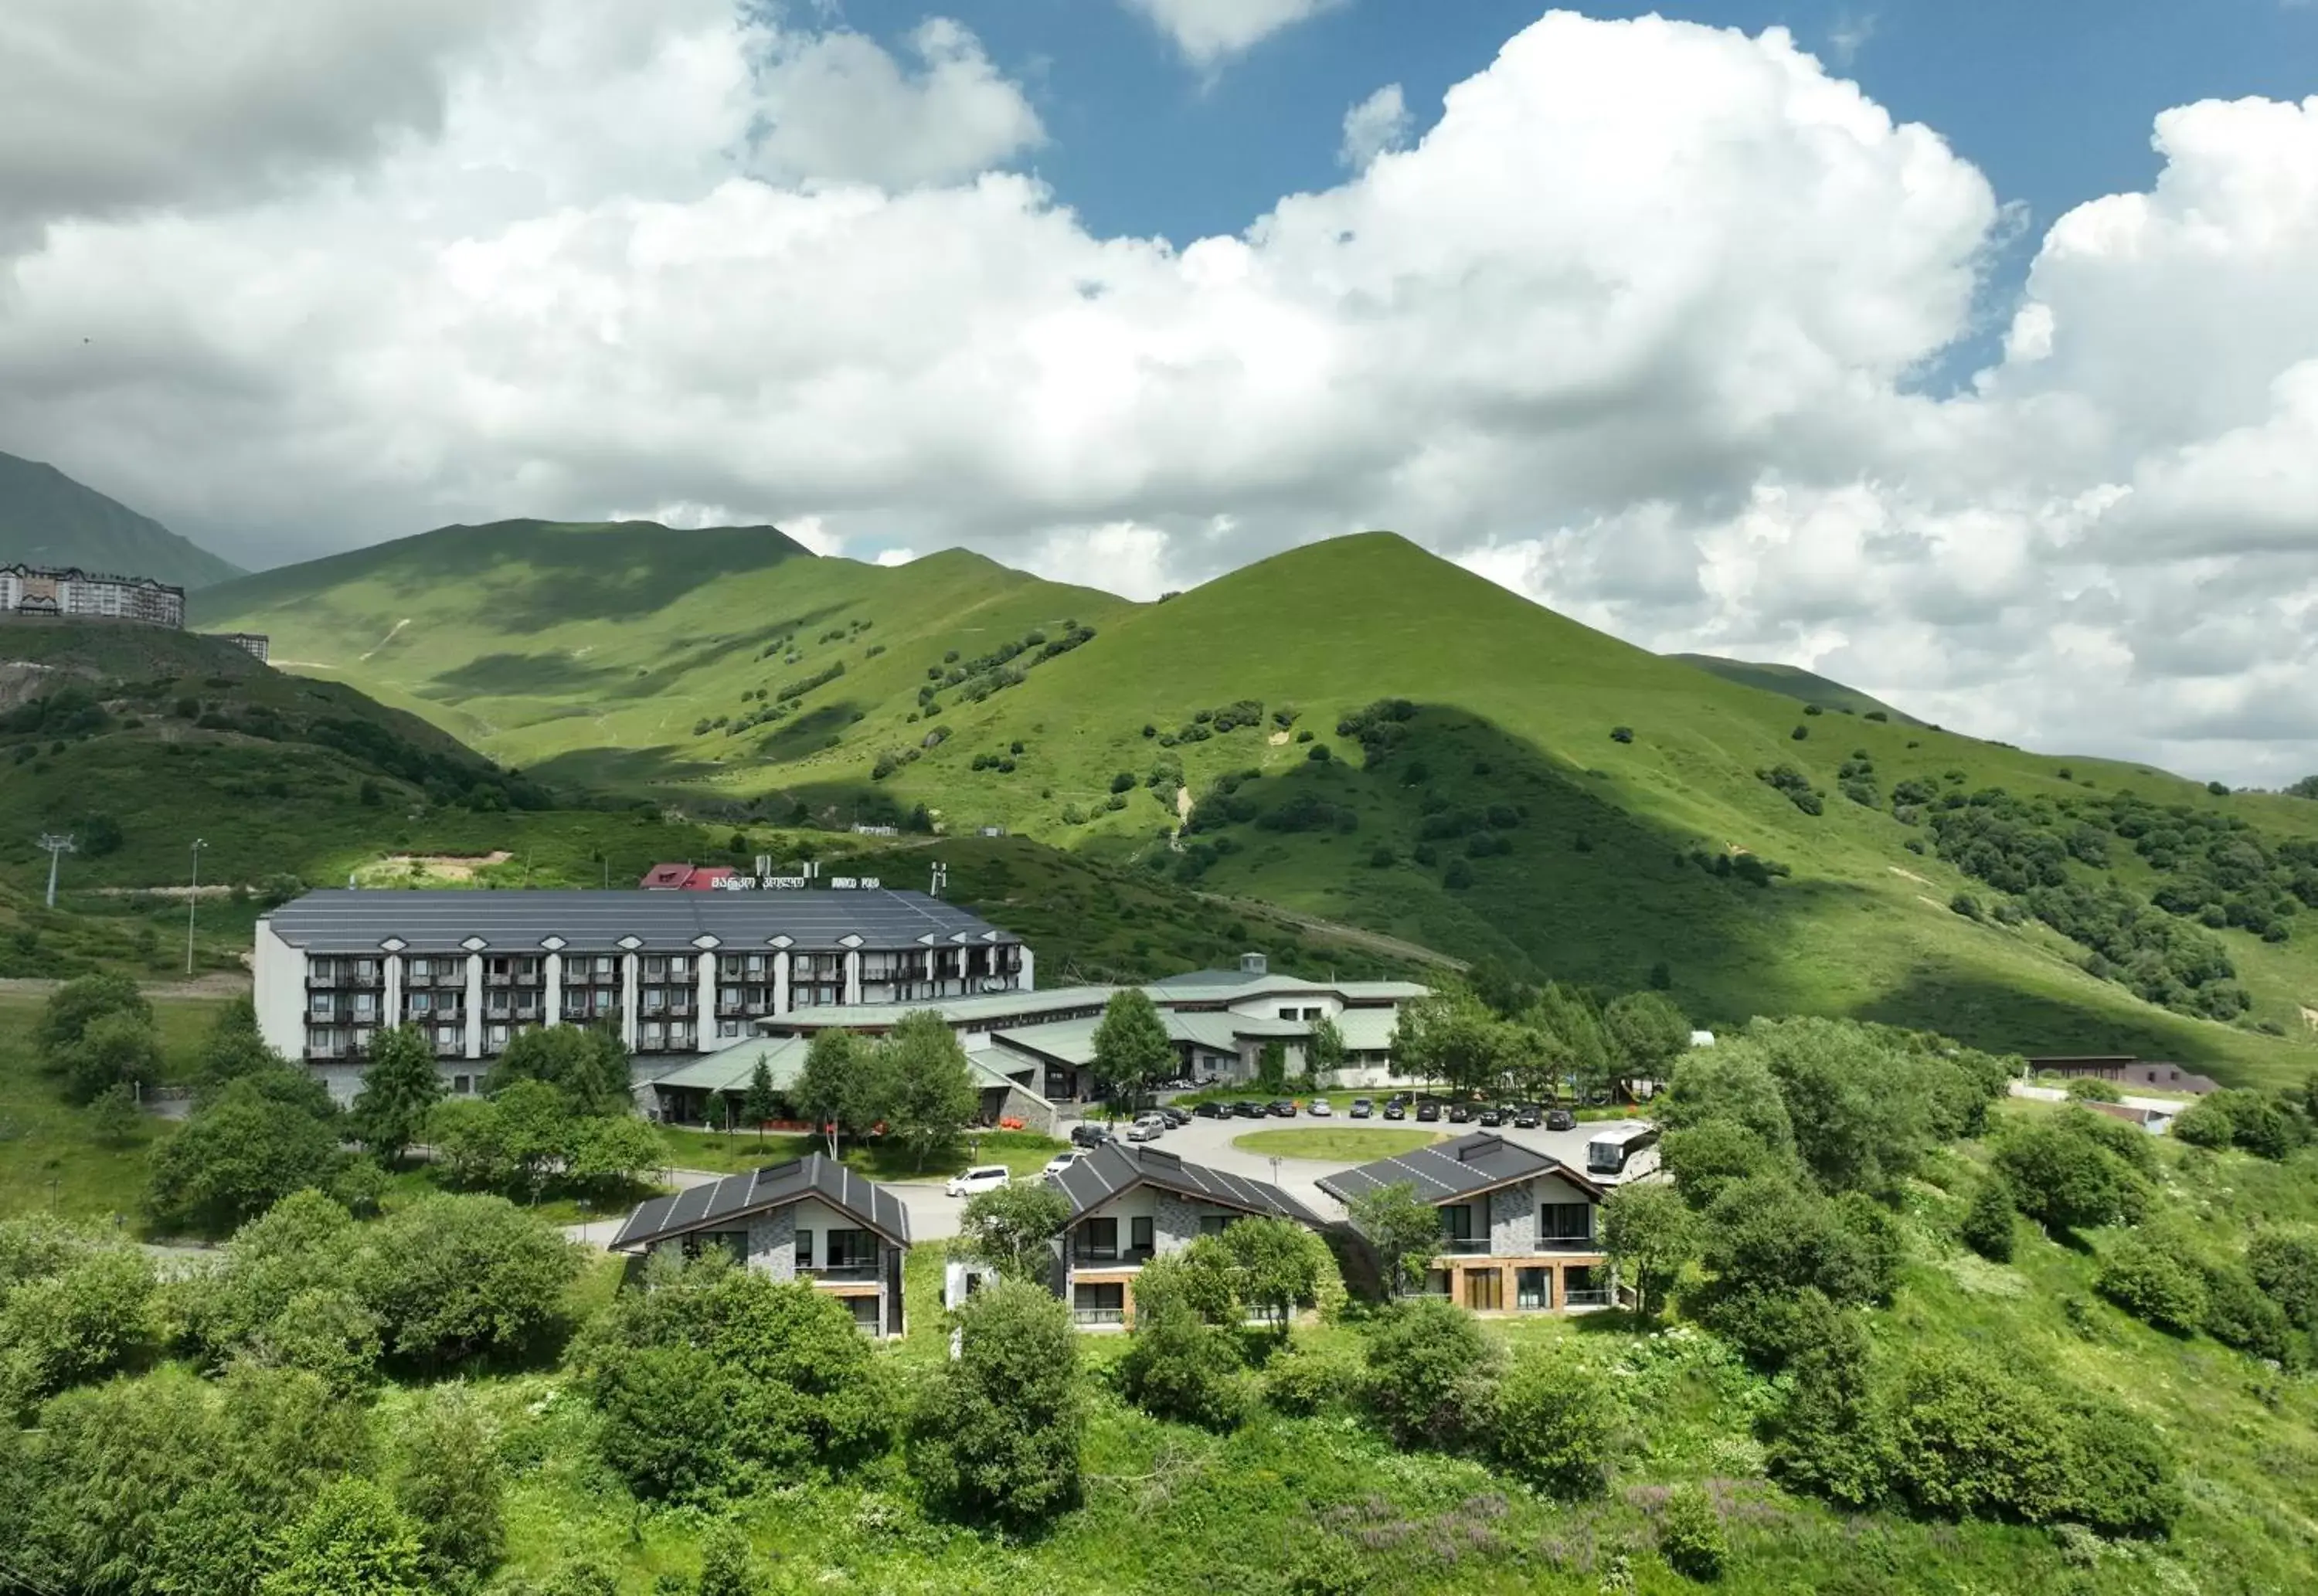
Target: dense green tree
(1274, 1265)
(459, 1277)
(113, 1119)
(760, 1102)
(2068, 1174)
(1831, 1436)
(400, 1087)
(1554, 1423)
(838, 1091)
(1324, 1053)
(2285, 1263)
(1401, 1229)
(1012, 1228)
(238, 1155)
(793, 1384)
(73, 1305)
(1450, 1038)
(353, 1541)
(1179, 1366)
(535, 1131)
(1988, 1222)
(2239, 1314)
(232, 1047)
(727, 1563)
(997, 1433)
(933, 1096)
(79, 1003)
(1131, 1049)
(1732, 1082)
(1577, 1038)
(1649, 1234)
(469, 1148)
(1707, 1156)
(117, 1050)
(446, 1477)
(1432, 1374)
(304, 1242)
(2152, 1282)
(1970, 1440)
(1776, 1254)
(1272, 1067)
(1649, 1034)
(1691, 1537)
(587, 1063)
(613, 1152)
(1861, 1112)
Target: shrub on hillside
(997, 1434)
(1831, 1436)
(1972, 1440)
(2285, 1264)
(1690, 1535)
(2154, 1284)
(1432, 1374)
(262, 1137)
(1988, 1224)
(1179, 1367)
(1303, 1380)
(1553, 1424)
(1622, 734)
(2068, 1173)
(2238, 1313)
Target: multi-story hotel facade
(69, 593)
(678, 974)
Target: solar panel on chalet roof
(761, 1190)
(1469, 1164)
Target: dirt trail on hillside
(217, 985)
(1336, 930)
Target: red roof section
(684, 878)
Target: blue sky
(2051, 99)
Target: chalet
(1520, 1230)
(809, 1219)
(1131, 1204)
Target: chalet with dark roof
(1131, 1204)
(1520, 1230)
(810, 1219)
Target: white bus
(1609, 1152)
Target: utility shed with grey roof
(809, 1219)
(1131, 1204)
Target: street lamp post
(193, 901)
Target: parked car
(1526, 1118)
(1458, 1114)
(980, 1178)
(1149, 1128)
(1319, 1108)
(1560, 1119)
(1396, 1109)
(1061, 1161)
(1363, 1107)
(1245, 1109)
(1280, 1108)
(1087, 1134)
(1428, 1113)
(1175, 1115)
(1492, 1117)
(1212, 1111)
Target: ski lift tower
(57, 845)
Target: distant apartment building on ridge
(69, 592)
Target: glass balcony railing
(1099, 1316)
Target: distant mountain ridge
(47, 518)
(1795, 682)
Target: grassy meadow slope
(47, 518)
(1805, 686)
(1617, 791)
(591, 653)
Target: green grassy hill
(47, 518)
(1793, 681)
(1548, 799)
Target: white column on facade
(853, 975)
(780, 981)
(1028, 980)
(703, 1024)
(553, 1002)
(474, 1005)
(628, 967)
(392, 1015)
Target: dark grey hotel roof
(1461, 1168)
(1115, 1166)
(758, 1191)
(340, 920)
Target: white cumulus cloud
(1635, 329)
(1209, 32)
(1377, 124)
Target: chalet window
(1215, 1224)
(1100, 1302)
(1138, 1237)
(852, 1249)
(805, 1249)
(1097, 1240)
(865, 1313)
(1564, 1222)
(1484, 1290)
(1457, 1222)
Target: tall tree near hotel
(929, 1085)
(398, 1091)
(835, 1089)
(1131, 1049)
